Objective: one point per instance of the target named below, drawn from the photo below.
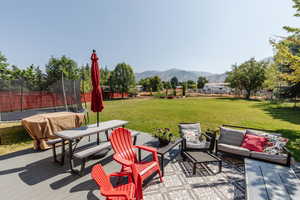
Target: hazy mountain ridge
(182, 75)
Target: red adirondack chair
(121, 192)
(121, 142)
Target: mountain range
(182, 75)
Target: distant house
(139, 88)
(217, 88)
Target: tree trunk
(248, 94)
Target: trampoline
(18, 99)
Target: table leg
(194, 168)
(162, 158)
(63, 150)
(140, 156)
(54, 153)
(70, 158)
(134, 140)
(106, 134)
(98, 139)
(220, 166)
(62, 159)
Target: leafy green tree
(249, 76)
(86, 82)
(167, 86)
(40, 78)
(58, 67)
(104, 73)
(294, 30)
(145, 83)
(155, 84)
(191, 84)
(33, 78)
(4, 71)
(16, 73)
(201, 82)
(184, 87)
(174, 83)
(122, 78)
(272, 81)
(287, 59)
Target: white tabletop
(90, 129)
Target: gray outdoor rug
(180, 184)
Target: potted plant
(164, 136)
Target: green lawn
(147, 114)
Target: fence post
(64, 93)
(21, 96)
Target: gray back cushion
(231, 136)
(191, 132)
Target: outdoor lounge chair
(191, 132)
(124, 192)
(121, 142)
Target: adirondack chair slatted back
(102, 180)
(121, 142)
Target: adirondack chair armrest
(115, 194)
(149, 149)
(121, 160)
(121, 174)
(146, 148)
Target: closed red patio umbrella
(97, 99)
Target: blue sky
(202, 35)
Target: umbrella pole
(98, 139)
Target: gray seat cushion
(234, 149)
(200, 145)
(281, 158)
(231, 136)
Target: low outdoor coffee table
(202, 158)
(163, 150)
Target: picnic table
(76, 134)
(267, 181)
